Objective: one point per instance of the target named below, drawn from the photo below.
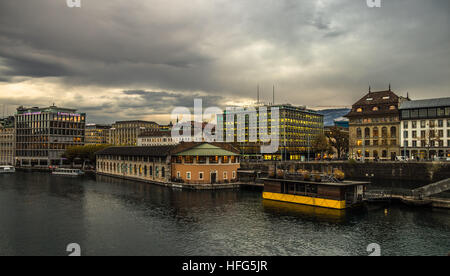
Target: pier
(422, 196)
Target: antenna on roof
(273, 94)
(257, 95)
(389, 87)
(370, 89)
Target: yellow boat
(339, 196)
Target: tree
(321, 144)
(339, 140)
(84, 153)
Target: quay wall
(414, 171)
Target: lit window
(188, 175)
(359, 110)
(375, 108)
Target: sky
(135, 59)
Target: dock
(423, 196)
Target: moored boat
(68, 172)
(333, 195)
(7, 169)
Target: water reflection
(305, 212)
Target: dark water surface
(41, 214)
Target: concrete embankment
(414, 171)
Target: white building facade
(425, 129)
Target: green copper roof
(206, 150)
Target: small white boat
(68, 172)
(7, 169)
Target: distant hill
(332, 114)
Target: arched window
(367, 132)
(145, 170)
(358, 133)
(375, 108)
(375, 132)
(384, 133)
(151, 170)
(163, 172)
(393, 132)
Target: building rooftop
(155, 151)
(437, 102)
(206, 150)
(50, 109)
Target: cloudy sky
(137, 59)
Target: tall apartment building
(298, 128)
(375, 126)
(127, 132)
(425, 128)
(7, 141)
(43, 134)
(97, 134)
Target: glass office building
(43, 134)
(298, 128)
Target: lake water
(41, 214)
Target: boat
(333, 195)
(7, 169)
(68, 172)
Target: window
(405, 134)
(441, 111)
(422, 124)
(432, 112)
(414, 144)
(441, 133)
(359, 110)
(405, 114)
(225, 175)
(178, 175)
(423, 113)
(392, 107)
(200, 175)
(375, 108)
(414, 134)
(188, 175)
(432, 123)
(358, 133)
(414, 113)
(414, 124)
(234, 174)
(405, 125)
(422, 134)
(448, 133)
(440, 123)
(405, 144)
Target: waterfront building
(192, 163)
(127, 132)
(425, 128)
(298, 128)
(7, 141)
(43, 134)
(97, 134)
(375, 126)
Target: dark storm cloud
(316, 51)
(164, 102)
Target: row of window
(426, 144)
(201, 175)
(425, 134)
(425, 113)
(424, 124)
(375, 132)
